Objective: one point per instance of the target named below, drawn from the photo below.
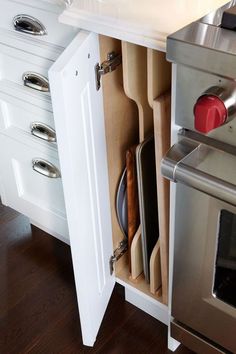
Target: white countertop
(144, 22)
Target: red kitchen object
(210, 113)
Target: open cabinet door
(79, 121)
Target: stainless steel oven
(202, 163)
(204, 285)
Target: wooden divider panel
(159, 74)
(121, 124)
(162, 119)
(135, 84)
(155, 269)
(159, 81)
(136, 255)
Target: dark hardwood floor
(38, 308)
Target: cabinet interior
(136, 104)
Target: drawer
(30, 45)
(30, 191)
(17, 115)
(24, 69)
(38, 17)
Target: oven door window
(225, 270)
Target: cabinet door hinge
(118, 253)
(112, 62)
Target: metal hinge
(118, 253)
(112, 62)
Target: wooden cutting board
(132, 198)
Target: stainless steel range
(202, 163)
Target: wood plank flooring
(38, 308)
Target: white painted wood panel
(143, 22)
(147, 304)
(17, 114)
(30, 193)
(79, 121)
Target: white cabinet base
(151, 306)
(51, 232)
(145, 303)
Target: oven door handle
(178, 166)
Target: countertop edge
(116, 29)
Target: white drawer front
(16, 115)
(42, 14)
(31, 193)
(15, 63)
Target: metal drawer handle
(45, 168)
(43, 131)
(28, 24)
(35, 81)
(68, 2)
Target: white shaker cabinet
(81, 136)
(92, 136)
(79, 120)
(93, 128)
(31, 39)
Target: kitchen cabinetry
(94, 128)
(30, 173)
(79, 109)
(92, 156)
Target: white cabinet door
(79, 121)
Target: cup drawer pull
(45, 168)
(35, 81)
(43, 131)
(28, 24)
